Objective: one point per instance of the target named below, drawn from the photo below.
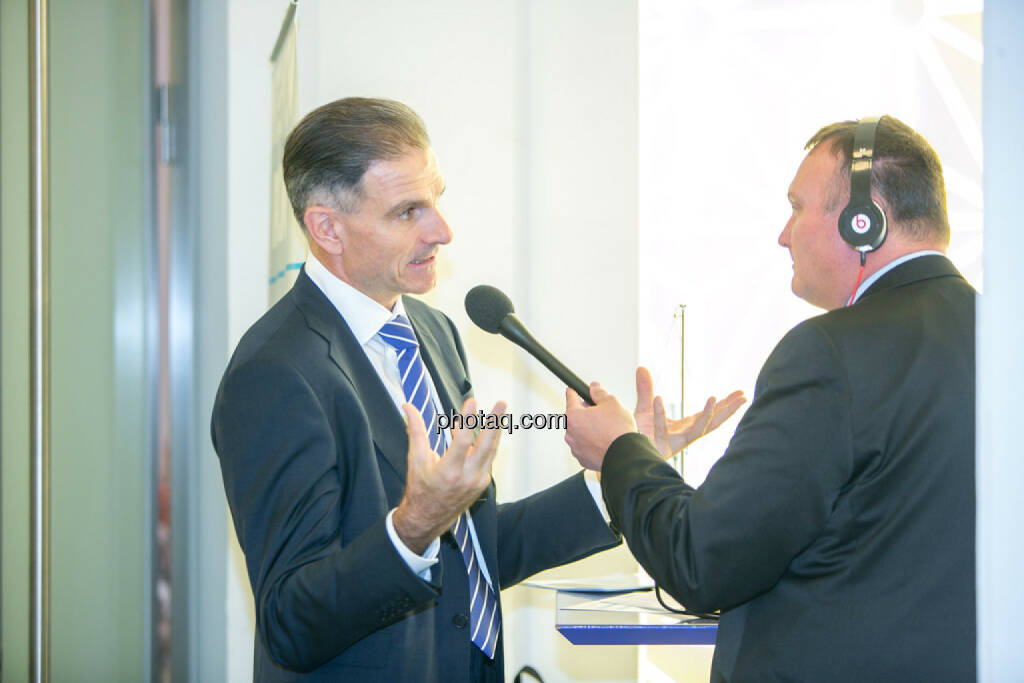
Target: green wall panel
(100, 437)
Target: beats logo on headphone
(862, 222)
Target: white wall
(252, 28)
(531, 107)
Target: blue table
(590, 627)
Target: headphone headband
(860, 166)
(862, 223)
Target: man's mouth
(421, 261)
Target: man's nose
(440, 232)
(784, 236)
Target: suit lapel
(447, 390)
(386, 423)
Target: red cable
(860, 274)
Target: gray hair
(328, 152)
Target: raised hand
(440, 488)
(672, 436)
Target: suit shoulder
(831, 333)
(815, 332)
(950, 299)
(281, 328)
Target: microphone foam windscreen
(487, 306)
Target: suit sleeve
(316, 593)
(558, 525)
(763, 502)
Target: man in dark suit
(836, 533)
(372, 557)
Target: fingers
(726, 408)
(419, 441)
(475, 451)
(644, 389)
(731, 402)
(598, 393)
(415, 429)
(687, 430)
(462, 438)
(485, 448)
(738, 394)
(661, 438)
(700, 424)
(573, 400)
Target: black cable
(702, 615)
(529, 671)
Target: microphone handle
(512, 328)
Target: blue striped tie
(483, 606)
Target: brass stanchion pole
(39, 346)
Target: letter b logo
(860, 223)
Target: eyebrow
(413, 203)
(406, 205)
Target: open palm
(672, 436)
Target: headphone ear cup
(862, 226)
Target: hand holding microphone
(590, 430)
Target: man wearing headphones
(836, 533)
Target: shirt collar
(364, 316)
(864, 286)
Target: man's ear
(324, 227)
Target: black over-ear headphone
(862, 222)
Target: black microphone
(492, 311)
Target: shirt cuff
(594, 486)
(419, 564)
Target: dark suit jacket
(313, 453)
(837, 531)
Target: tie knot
(398, 333)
